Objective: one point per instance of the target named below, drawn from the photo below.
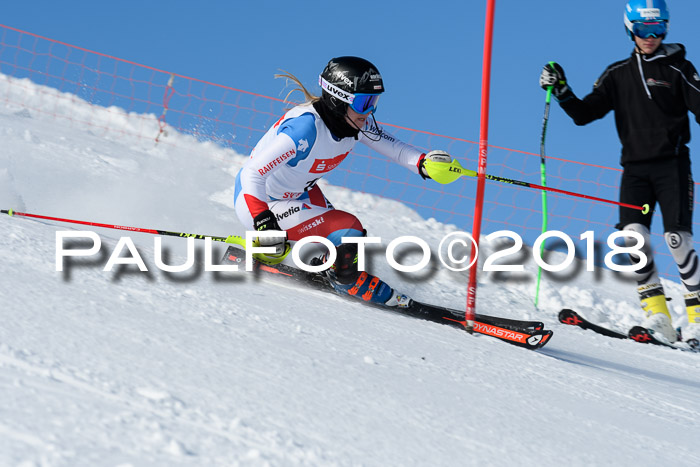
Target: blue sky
(430, 54)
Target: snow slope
(200, 368)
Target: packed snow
(131, 368)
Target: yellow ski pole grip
(446, 172)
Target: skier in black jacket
(651, 93)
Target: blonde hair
(309, 98)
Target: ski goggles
(360, 103)
(645, 30)
(364, 103)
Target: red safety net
(236, 119)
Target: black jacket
(651, 96)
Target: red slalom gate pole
(481, 174)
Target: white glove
(433, 156)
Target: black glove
(265, 221)
(553, 75)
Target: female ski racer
(277, 187)
(651, 93)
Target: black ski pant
(668, 182)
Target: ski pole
(234, 239)
(543, 178)
(448, 173)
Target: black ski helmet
(348, 75)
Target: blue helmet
(646, 18)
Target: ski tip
(568, 316)
(646, 336)
(640, 334)
(539, 339)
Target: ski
(528, 334)
(568, 316)
(637, 333)
(646, 336)
(440, 313)
(522, 333)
